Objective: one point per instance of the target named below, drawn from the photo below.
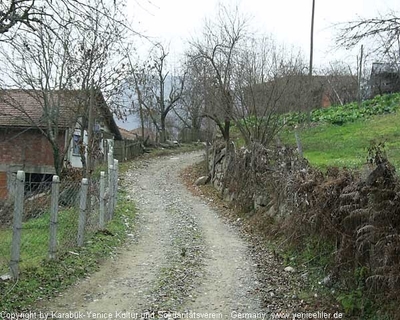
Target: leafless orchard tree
(217, 50)
(103, 65)
(342, 83)
(196, 100)
(56, 60)
(158, 90)
(268, 80)
(247, 80)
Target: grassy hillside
(346, 145)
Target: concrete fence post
(111, 191)
(82, 212)
(298, 142)
(17, 224)
(102, 199)
(110, 163)
(116, 171)
(55, 190)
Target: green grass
(35, 239)
(338, 114)
(346, 146)
(41, 278)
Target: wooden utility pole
(310, 70)
(360, 65)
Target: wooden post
(102, 206)
(82, 212)
(55, 188)
(360, 75)
(17, 224)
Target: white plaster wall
(75, 159)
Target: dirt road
(182, 259)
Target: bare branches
(28, 16)
(15, 12)
(57, 65)
(217, 51)
(384, 30)
(158, 91)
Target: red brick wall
(29, 147)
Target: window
(76, 145)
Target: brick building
(24, 126)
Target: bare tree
(218, 49)
(193, 106)
(39, 67)
(268, 82)
(141, 101)
(342, 83)
(56, 65)
(102, 61)
(157, 89)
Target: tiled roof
(127, 134)
(25, 108)
(147, 132)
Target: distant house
(385, 78)
(24, 123)
(126, 134)
(298, 93)
(149, 134)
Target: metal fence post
(102, 193)
(17, 224)
(55, 189)
(82, 211)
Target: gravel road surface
(182, 259)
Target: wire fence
(41, 220)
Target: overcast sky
(174, 21)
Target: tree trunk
(163, 135)
(56, 159)
(141, 120)
(226, 133)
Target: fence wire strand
(35, 233)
